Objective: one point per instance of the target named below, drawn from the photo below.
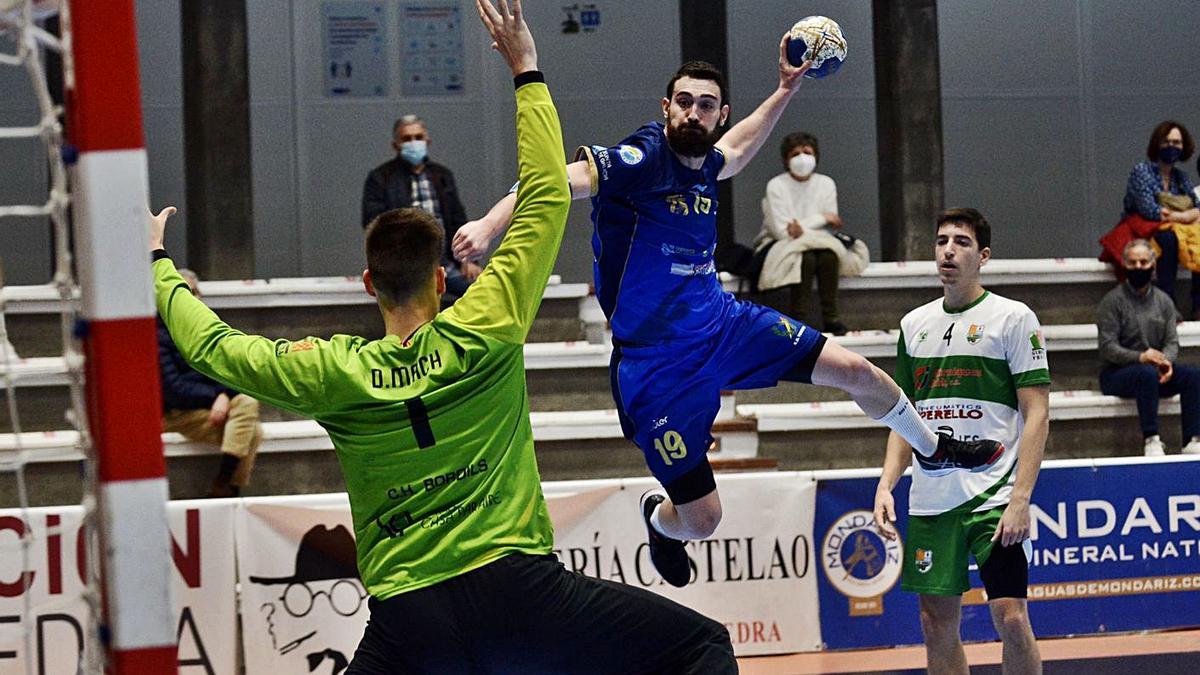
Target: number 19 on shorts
(671, 447)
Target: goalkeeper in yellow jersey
(431, 427)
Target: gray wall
(839, 111)
(1041, 135)
(1040, 132)
(24, 242)
(312, 153)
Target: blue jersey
(655, 233)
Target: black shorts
(527, 614)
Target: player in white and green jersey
(975, 366)
(431, 427)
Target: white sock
(654, 521)
(904, 420)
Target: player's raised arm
(505, 298)
(743, 140)
(268, 370)
(472, 239)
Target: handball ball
(818, 39)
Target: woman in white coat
(801, 227)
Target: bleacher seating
(571, 355)
(257, 293)
(1064, 405)
(578, 436)
(999, 271)
(585, 425)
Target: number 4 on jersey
(949, 334)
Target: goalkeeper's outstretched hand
(158, 226)
(510, 34)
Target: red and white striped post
(124, 406)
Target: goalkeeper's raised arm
(506, 297)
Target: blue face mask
(1170, 154)
(414, 152)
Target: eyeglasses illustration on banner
(345, 597)
(302, 632)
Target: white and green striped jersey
(962, 368)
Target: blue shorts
(668, 395)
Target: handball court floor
(1166, 653)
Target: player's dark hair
(1160, 136)
(699, 70)
(795, 140)
(972, 219)
(403, 245)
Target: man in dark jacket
(412, 180)
(1139, 347)
(205, 411)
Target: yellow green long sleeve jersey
(432, 432)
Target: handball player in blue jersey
(678, 338)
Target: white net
(24, 44)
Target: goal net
(105, 564)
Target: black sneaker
(668, 555)
(955, 454)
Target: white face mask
(802, 164)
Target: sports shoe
(1193, 446)
(222, 490)
(953, 453)
(1154, 447)
(668, 555)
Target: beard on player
(691, 139)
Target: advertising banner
(756, 574)
(303, 605)
(1116, 547)
(44, 613)
(304, 608)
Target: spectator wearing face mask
(802, 229)
(1139, 346)
(411, 180)
(1159, 190)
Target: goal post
(118, 332)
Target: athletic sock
(904, 420)
(655, 522)
(229, 464)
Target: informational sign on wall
(581, 17)
(355, 39)
(431, 53)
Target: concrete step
(289, 308)
(1060, 290)
(296, 456)
(573, 375)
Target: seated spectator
(1138, 347)
(410, 179)
(1196, 190)
(1160, 191)
(800, 236)
(205, 411)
